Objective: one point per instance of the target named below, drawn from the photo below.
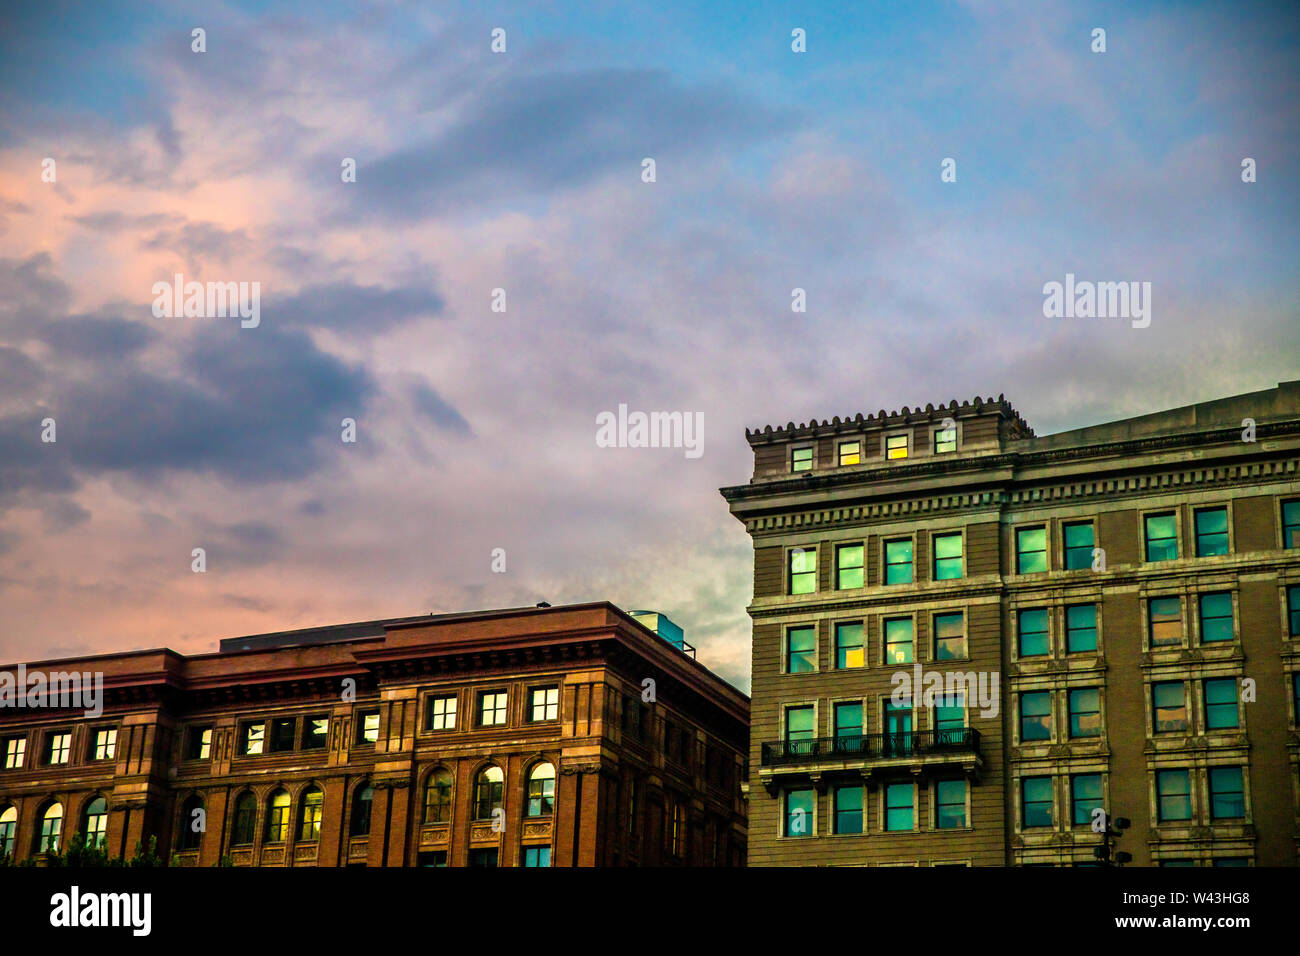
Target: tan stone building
(1131, 590)
(565, 736)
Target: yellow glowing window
(850, 452)
(895, 446)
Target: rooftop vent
(665, 628)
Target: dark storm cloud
(536, 133)
(351, 308)
(100, 338)
(432, 405)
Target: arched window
(361, 804)
(541, 790)
(8, 824)
(51, 825)
(278, 816)
(192, 823)
(94, 822)
(242, 833)
(309, 815)
(489, 789)
(437, 797)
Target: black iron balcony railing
(913, 743)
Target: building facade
(968, 639)
(565, 736)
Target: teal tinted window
(1216, 617)
(1291, 524)
(848, 566)
(848, 809)
(1085, 796)
(950, 804)
(801, 650)
(1078, 546)
(848, 720)
(850, 646)
(803, 571)
(1036, 801)
(1031, 550)
(1032, 629)
(799, 723)
(1221, 704)
(899, 809)
(898, 641)
(1036, 716)
(1166, 621)
(1085, 712)
(1293, 610)
(950, 716)
(1211, 532)
(1173, 795)
(1169, 707)
(898, 561)
(801, 459)
(798, 813)
(949, 637)
(1081, 628)
(1227, 794)
(947, 557)
(1162, 537)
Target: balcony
(870, 755)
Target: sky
(523, 171)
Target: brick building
(514, 738)
(1132, 588)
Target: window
(361, 807)
(252, 739)
(1293, 610)
(897, 739)
(898, 561)
(798, 813)
(1081, 628)
(8, 824)
(1036, 802)
(1079, 543)
(315, 732)
(850, 453)
(848, 566)
(1032, 631)
(1211, 532)
(198, 744)
(677, 825)
(544, 704)
(104, 744)
(309, 815)
(483, 857)
(191, 824)
(1031, 550)
(241, 834)
(15, 749)
(537, 856)
(899, 806)
(1173, 795)
(803, 571)
(850, 645)
(1085, 796)
(368, 727)
(1036, 716)
(437, 797)
(1231, 861)
(277, 817)
(800, 650)
(1227, 794)
(848, 809)
(950, 804)
(1291, 524)
(945, 440)
(1216, 617)
(492, 708)
(283, 731)
(801, 459)
(799, 723)
(442, 712)
(1162, 537)
(1085, 712)
(58, 746)
(94, 822)
(895, 447)
(947, 557)
(1221, 704)
(47, 837)
(1165, 620)
(541, 791)
(898, 641)
(1169, 707)
(949, 637)
(848, 727)
(950, 719)
(489, 792)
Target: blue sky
(521, 171)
